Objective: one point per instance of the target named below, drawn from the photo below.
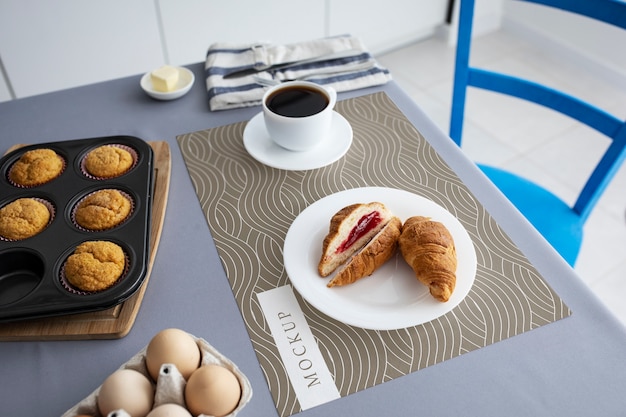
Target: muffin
(36, 167)
(108, 161)
(102, 210)
(95, 265)
(22, 218)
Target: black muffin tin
(30, 269)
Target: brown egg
(169, 410)
(173, 346)
(128, 390)
(212, 390)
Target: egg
(212, 390)
(173, 346)
(128, 390)
(169, 410)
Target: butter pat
(164, 79)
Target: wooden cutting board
(117, 321)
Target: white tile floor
(540, 144)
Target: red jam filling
(363, 226)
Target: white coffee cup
(298, 114)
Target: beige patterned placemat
(249, 208)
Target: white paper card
(305, 365)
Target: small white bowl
(185, 81)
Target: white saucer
(261, 147)
(185, 81)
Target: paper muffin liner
(65, 283)
(133, 154)
(170, 385)
(50, 208)
(84, 229)
(13, 183)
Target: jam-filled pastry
(361, 237)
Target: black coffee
(297, 101)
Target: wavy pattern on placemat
(249, 208)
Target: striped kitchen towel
(341, 62)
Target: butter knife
(255, 70)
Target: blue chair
(559, 223)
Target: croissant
(350, 229)
(428, 247)
(373, 255)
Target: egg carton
(170, 385)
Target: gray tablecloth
(570, 367)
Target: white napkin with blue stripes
(343, 73)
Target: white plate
(261, 147)
(391, 298)
(185, 81)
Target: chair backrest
(609, 11)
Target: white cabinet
(388, 24)
(51, 45)
(191, 26)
